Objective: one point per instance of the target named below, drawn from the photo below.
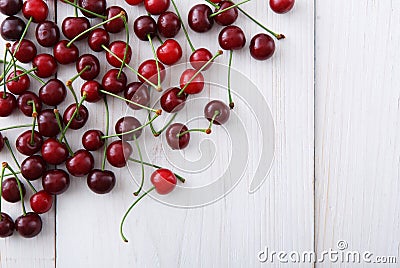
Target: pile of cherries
(44, 143)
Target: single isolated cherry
(231, 38)
(199, 58)
(20, 85)
(25, 101)
(116, 25)
(24, 145)
(114, 84)
(118, 48)
(174, 139)
(281, 6)
(227, 17)
(127, 124)
(29, 225)
(222, 110)
(47, 123)
(26, 51)
(101, 181)
(92, 89)
(54, 152)
(6, 223)
(196, 85)
(41, 202)
(33, 167)
(80, 164)
(47, 33)
(92, 141)
(170, 52)
(97, 38)
(138, 93)
(7, 104)
(156, 7)
(199, 18)
(262, 46)
(171, 101)
(118, 153)
(95, 6)
(10, 190)
(73, 26)
(164, 181)
(168, 24)
(145, 26)
(11, 28)
(37, 9)
(45, 64)
(79, 120)
(10, 7)
(148, 69)
(65, 55)
(53, 93)
(55, 181)
(92, 65)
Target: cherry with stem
(228, 8)
(157, 61)
(158, 133)
(183, 26)
(154, 166)
(85, 10)
(23, 70)
(5, 165)
(58, 119)
(205, 130)
(78, 106)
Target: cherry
(156, 7)
(7, 104)
(65, 55)
(126, 124)
(199, 58)
(29, 225)
(97, 39)
(118, 48)
(168, 24)
(33, 167)
(80, 164)
(118, 152)
(227, 17)
(199, 18)
(46, 65)
(54, 152)
(94, 66)
(92, 90)
(170, 52)
(53, 92)
(262, 47)
(10, 190)
(1, 142)
(47, 33)
(20, 85)
(196, 85)
(231, 38)
(92, 141)
(281, 6)
(137, 92)
(216, 1)
(171, 102)
(47, 123)
(73, 26)
(134, 2)
(55, 181)
(6, 223)
(145, 26)
(37, 9)
(163, 180)
(24, 145)
(26, 51)
(117, 25)
(41, 202)
(12, 28)
(25, 103)
(95, 6)
(101, 181)
(79, 120)
(174, 141)
(10, 7)
(112, 83)
(148, 69)
(217, 106)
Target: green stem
(20, 189)
(155, 166)
(87, 67)
(14, 127)
(71, 89)
(3, 169)
(14, 62)
(157, 133)
(228, 8)
(24, 70)
(57, 114)
(10, 174)
(85, 10)
(216, 113)
(156, 59)
(212, 3)
(159, 39)
(103, 165)
(34, 115)
(231, 103)
(72, 118)
(16, 78)
(142, 166)
(75, 9)
(183, 26)
(204, 130)
(126, 46)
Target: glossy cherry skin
(148, 69)
(170, 52)
(80, 164)
(37, 9)
(112, 83)
(126, 124)
(11, 28)
(163, 180)
(41, 202)
(156, 7)
(137, 92)
(92, 91)
(223, 112)
(6, 225)
(88, 60)
(53, 92)
(28, 226)
(46, 65)
(24, 146)
(54, 152)
(26, 51)
(231, 38)
(47, 123)
(196, 85)
(116, 25)
(134, 2)
(101, 182)
(72, 27)
(79, 120)
(33, 167)
(96, 6)
(7, 104)
(144, 26)
(25, 105)
(199, 58)
(47, 33)
(55, 181)
(92, 141)
(199, 18)
(118, 48)
(20, 85)
(281, 6)
(65, 55)
(10, 190)
(168, 24)
(118, 153)
(175, 142)
(171, 102)
(262, 47)
(97, 38)
(227, 17)
(10, 7)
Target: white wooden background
(333, 87)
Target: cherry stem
(183, 27)
(129, 210)
(212, 3)
(85, 10)
(3, 170)
(24, 70)
(75, 9)
(78, 106)
(131, 102)
(228, 8)
(87, 67)
(19, 187)
(16, 78)
(157, 61)
(34, 115)
(14, 127)
(219, 52)
(126, 46)
(57, 114)
(71, 89)
(4, 70)
(204, 130)
(157, 133)
(14, 62)
(142, 166)
(216, 113)
(155, 166)
(231, 103)
(103, 165)
(130, 68)
(159, 39)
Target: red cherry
(37, 9)
(47, 33)
(116, 25)
(97, 38)
(64, 54)
(6, 226)
(20, 85)
(41, 202)
(137, 92)
(199, 18)
(227, 17)
(53, 92)
(231, 38)
(80, 164)
(281, 6)
(145, 26)
(47, 123)
(7, 104)
(156, 7)
(79, 120)
(46, 65)
(92, 62)
(26, 51)
(200, 57)
(95, 6)
(101, 181)
(54, 152)
(118, 152)
(25, 105)
(29, 225)
(92, 141)
(174, 141)
(10, 190)
(72, 27)
(126, 124)
(148, 69)
(134, 2)
(170, 52)
(24, 145)
(171, 102)
(92, 90)
(168, 24)
(10, 7)
(197, 84)
(118, 48)
(55, 181)
(112, 83)
(163, 180)
(33, 167)
(262, 47)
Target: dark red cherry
(10, 190)
(73, 26)
(20, 85)
(97, 38)
(175, 142)
(281, 6)
(156, 7)
(47, 33)
(144, 26)
(28, 226)
(227, 17)
(55, 181)
(118, 48)
(223, 112)
(199, 18)
(25, 103)
(92, 141)
(118, 153)
(262, 47)
(126, 124)
(134, 2)
(53, 92)
(231, 38)
(41, 202)
(168, 24)
(7, 104)
(79, 120)
(80, 164)
(92, 62)
(24, 145)
(164, 180)
(92, 91)
(95, 6)
(10, 7)
(37, 9)
(54, 152)
(6, 223)
(171, 102)
(26, 51)
(11, 28)
(148, 69)
(112, 83)
(200, 57)
(170, 52)
(46, 65)
(196, 85)
(33, 167)
(116, 25)
(65, 55)
(137, 92)
(47, 123)
(101, 182)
